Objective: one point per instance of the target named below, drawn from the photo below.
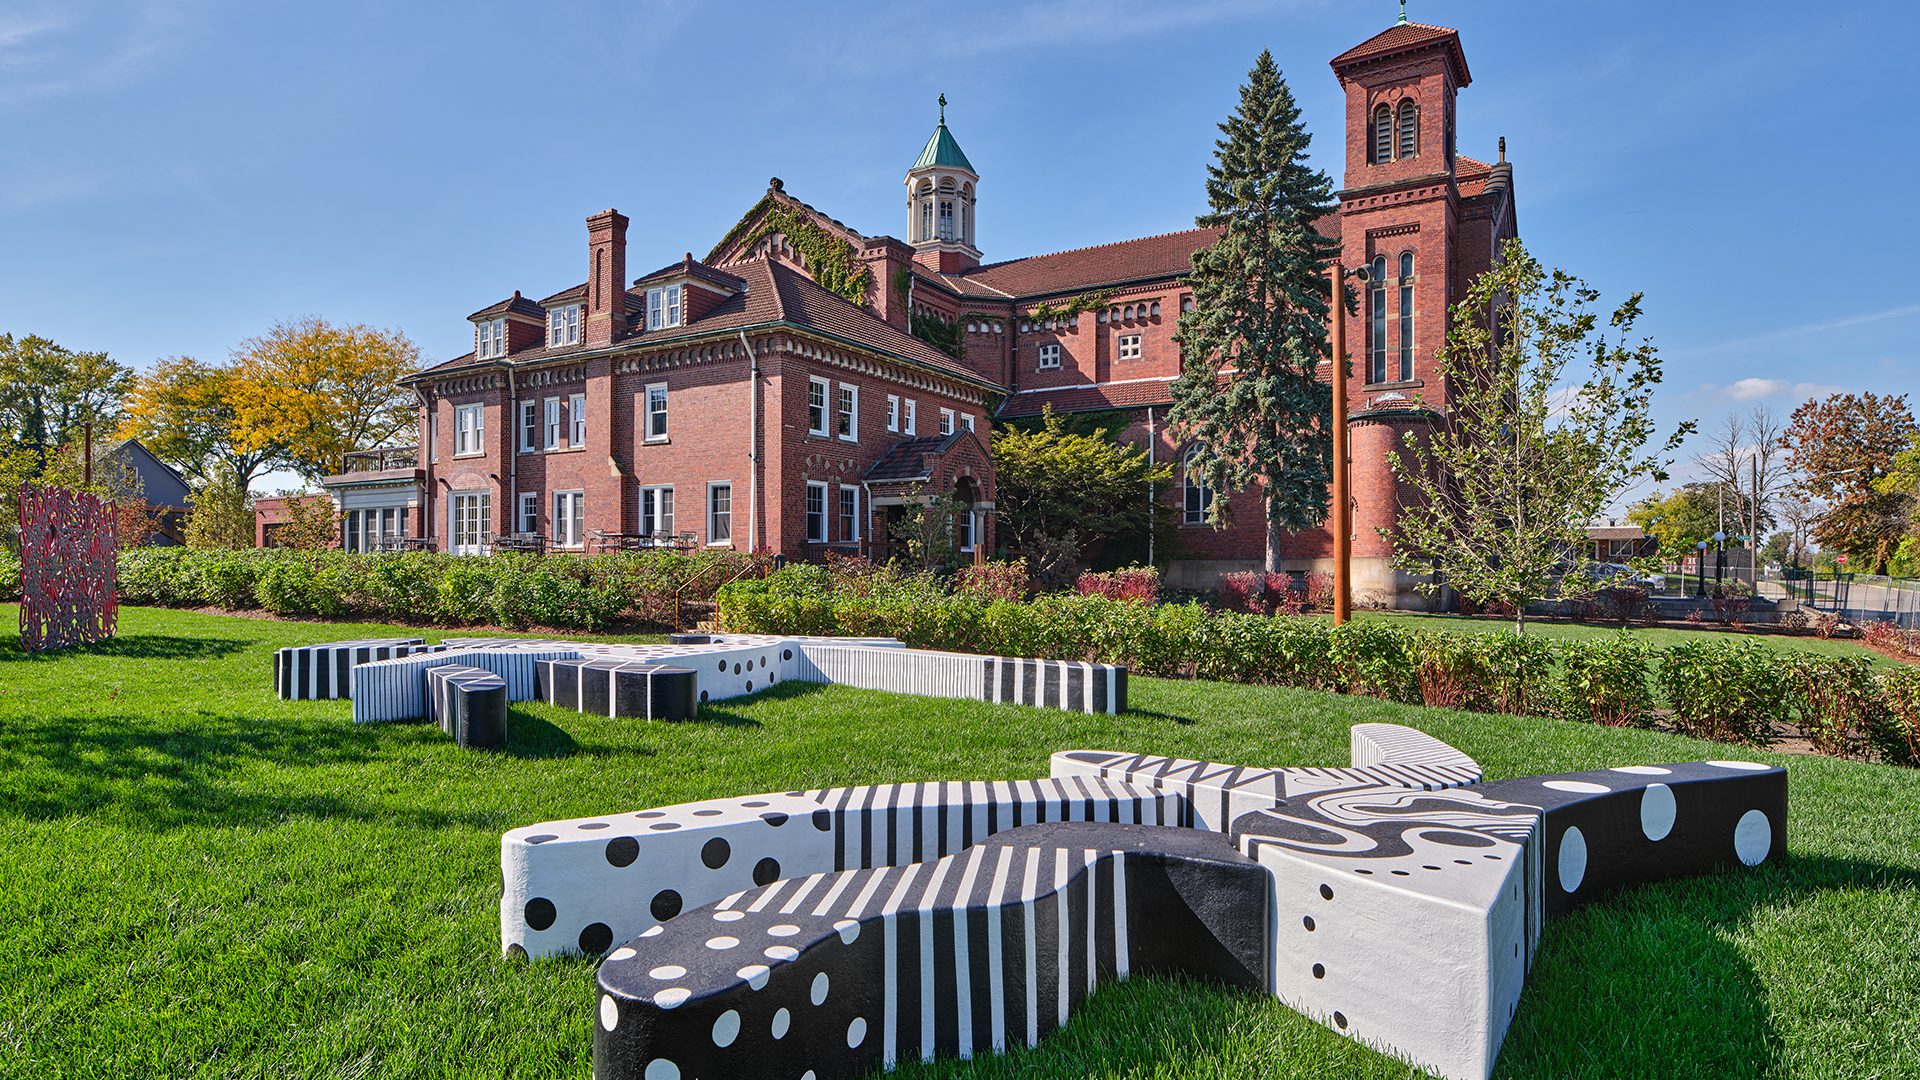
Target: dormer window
(490, 338)
(663, 307)
(563, 325)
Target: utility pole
(1342, 517)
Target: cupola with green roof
(940, 203)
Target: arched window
(926, 219)
(1383, 133)
(1409, 128)
(1406, 315)
(1198, 496)
(946, 219)
(1377, 321)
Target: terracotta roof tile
(578, 292)
(516, 303)
(775, 292)
(691, 267)
(1166, 255)
(1406, 37)
(1470, 175)
(1093, 397)
(909, 459)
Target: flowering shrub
(1140, 584)
(1244, 591)
(1319, 591)
(1890, 637)
(995, 580)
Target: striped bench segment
(977, 952)
(1392, 744)
(611, 687)
(1061, 684)
(386, 690)
(470, 704)
(583, 885)
(305, 672)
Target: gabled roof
(1470, 175)
(1405, 38)
(515, 304)
(911, 459)
(1167, 255)
(578, 292)
(688, 266)
(776, 293)
(942, 150)
(1090, 397)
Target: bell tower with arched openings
(940, 204)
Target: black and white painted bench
(388, 690)
(323, 671)
(470, 704)
(1398, 901)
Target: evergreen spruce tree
(1249, 397)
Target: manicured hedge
(426, 588)
(1731, 690)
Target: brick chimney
(606, 277)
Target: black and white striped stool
(322, 671)
(609, 687)
(470, 704)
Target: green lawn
(200, 879)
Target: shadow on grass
(535, 738)
(134, 646)
(1648, 983)
(144, 776)
(721, 713)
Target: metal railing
(759, 564)
(381, 459)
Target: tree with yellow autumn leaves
(297, 397)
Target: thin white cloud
(48, 57)
(1754, 388)
(1785, 333)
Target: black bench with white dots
(470, 704)
(1399, 901)
(324, 671)
(613, 687)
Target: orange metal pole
(1342, 496)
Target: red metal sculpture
(68, 545)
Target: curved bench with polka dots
(586, 884)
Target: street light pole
(1700, 564)
(1342, 518)
(1719, 561)
(1342, 508)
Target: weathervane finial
(943, 104)
(1403, 12)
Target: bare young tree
(1799, 513)
(1740, 461)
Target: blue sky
(177, 176)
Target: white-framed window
(656, 412)
(966, 420)
(719, 513)
(554, 425)
(490, 338)
(469, 430)
(1129, 346)
(1198, 496)
(577, 419)
(1377, 321)
(569, 519)
(1049, 356)
(946, 421)
(433, 434)
(469, 520)
(817, 390)
(656, 510)
(369, 530)
(529, 425)
(563, 325)
(909, 419)
(849, 513)
(529, 520)
(846, 418)
(663, 307)
(969, 528)
(1406, 315)
(816, 512)
(893, 412)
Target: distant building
(270, 516)
(1619, 543)
(166, 492)
(782, 392)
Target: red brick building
(771, 395)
